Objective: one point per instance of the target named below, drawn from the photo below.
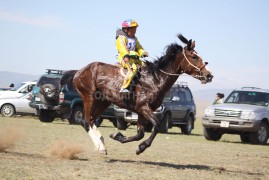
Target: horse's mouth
(207, 79)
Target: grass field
(30, 149)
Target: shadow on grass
(163, 164)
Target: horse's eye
(195, 57)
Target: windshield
(18, 86)
(248, 97)
(49, 80)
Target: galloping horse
(98, 84)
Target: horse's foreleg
(148, 114)
(123, 139)
(140, 132)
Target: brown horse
(98, 85)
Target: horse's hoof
(115, 135)
(138, 151)
(103, 152)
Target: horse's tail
(49, 93)
(67, 79)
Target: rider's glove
(145, 54)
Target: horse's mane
(165, 60)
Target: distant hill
(6, 78)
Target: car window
(18, 86)
(188, 95)
(49, 80)
(178, 94)
(248, 97)
(167, 95)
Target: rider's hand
(145, 54)
(126, 59)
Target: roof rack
(55, 71)
(250, 88)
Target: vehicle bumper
(231, 124)
(44, 106)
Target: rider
(129, 50)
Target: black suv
(178, 109)
(65, 104)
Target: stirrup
(123, 90)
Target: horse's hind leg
(94, 133)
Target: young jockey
(129, 50)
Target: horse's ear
(193, 45)
(189, 44)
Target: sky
(67, 34)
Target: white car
(20, 105)
(17, 91)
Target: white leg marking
(97, 139)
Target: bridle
(190, 64)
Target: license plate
(224, 124)
(37, 99)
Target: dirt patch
(9, 136)
(65, 149)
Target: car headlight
(209, 112)
(248, 115)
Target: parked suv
(178, 109)
(244, 112)
(64, 103)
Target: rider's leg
(132, 68)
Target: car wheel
(46, 115)
(121, 124)
(49, 89)
(261, 136)
(164, 123)
(76, 116)
(244, 138)
(114, 121)
(98, 121)
(7, 110)
(212, 135)
(187, 128)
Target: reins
(199, 69)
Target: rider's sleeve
(121, 46)
(139, 48)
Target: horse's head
(193, 63)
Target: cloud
(43, 21)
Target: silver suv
(244, 112)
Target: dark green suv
(63, 103)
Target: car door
(22, 104)
(178, 104)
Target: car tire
(98, 121)
(164, 123)
(121, 124)
(114, 121)
(46, 115)
(50, 96)
(261, 136)
(244, 138)
(212, 135)
(187, 128)
(77, 115)
(8, 110)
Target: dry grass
(171, 156)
